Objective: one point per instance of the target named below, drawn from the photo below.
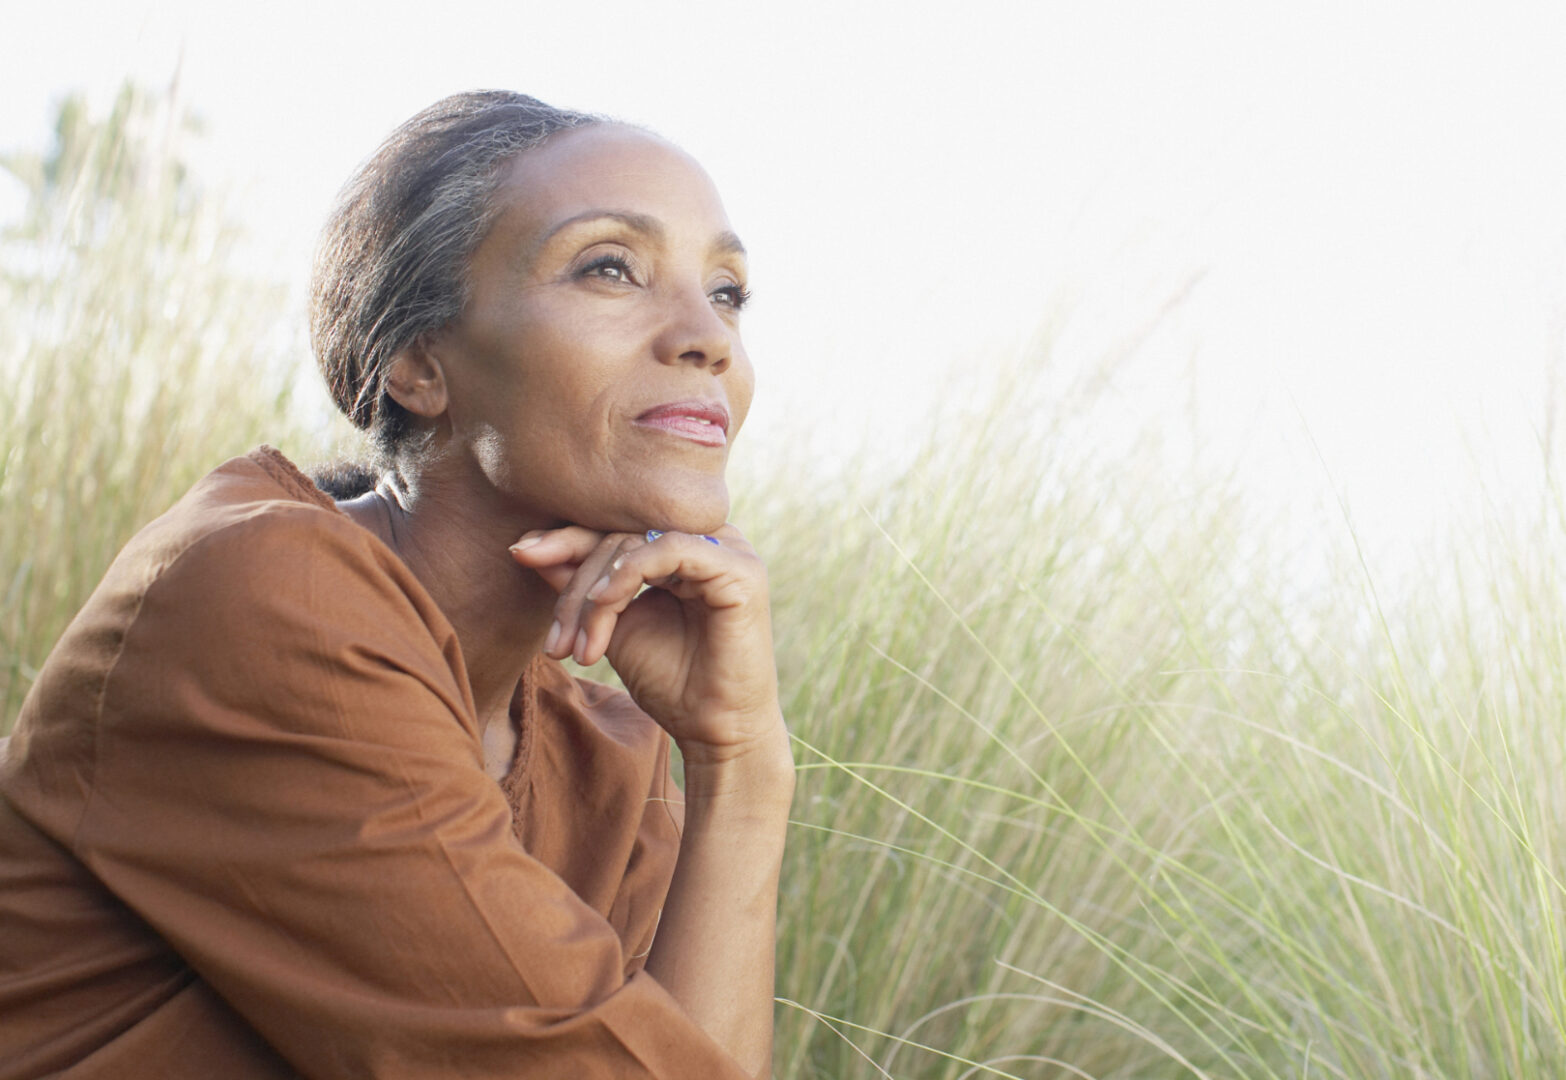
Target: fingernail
(554, 637)
(598, 587)
(711, 539)
(525, 542)
(581, 646)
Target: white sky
(1373, 194)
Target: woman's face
(596, 375)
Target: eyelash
(740, 296)
(603, 262)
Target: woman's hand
(694, 650)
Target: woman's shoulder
(256, 553)
(248, 598)
(246, 532)
(259, 497)
(253, 560)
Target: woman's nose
(696, 333)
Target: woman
(304, 789)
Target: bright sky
(1371, 197)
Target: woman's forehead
(608, 167)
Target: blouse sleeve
(651, 863)
(290, 790)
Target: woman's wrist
(758, 773)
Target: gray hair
(392, 262)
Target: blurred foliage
(135, 352)
(96, 169)
(1090, 786)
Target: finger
(657, 611)
(556, 554)
(598, 622)
(730, 536)
(602, 612)
(557, 576)
(686, 565)
(561, 640)
(552, 547)
(567, 636)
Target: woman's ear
(416, 380)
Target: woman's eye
(609, 268)
(734, 296)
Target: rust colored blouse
(246, 830)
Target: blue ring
(653, 534)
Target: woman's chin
(684, 521)
(685, 512)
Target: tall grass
(135, 355)
(1090, 788)
(1090, 784)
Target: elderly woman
(305, 791)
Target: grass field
(1091, 784)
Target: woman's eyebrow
(642, 223)
(726, 243)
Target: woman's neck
(457, 549)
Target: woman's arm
(695, 653)
(715, 947)
(288, 787)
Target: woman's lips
(704, 422)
